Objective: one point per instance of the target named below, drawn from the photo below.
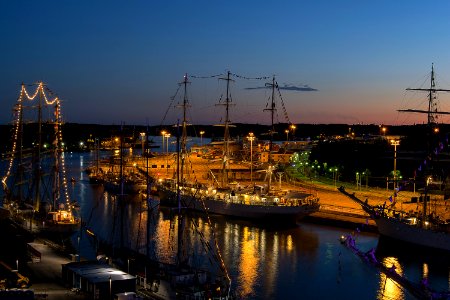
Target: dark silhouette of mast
(272, 110)
(183, 145)
(432, 116)
(226, 137)
(432, 111)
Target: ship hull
(395, 229)
(259, 212)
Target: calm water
(305, 262)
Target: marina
(301, 258)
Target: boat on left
(35, 183)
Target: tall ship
(426, 227)
(35, 183)
(247, 198)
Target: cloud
(287, 87)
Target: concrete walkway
(46, 281)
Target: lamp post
(251, 138)
(287, 134)
(142, 141)
(110, 287)
(167, 135)
(201, 137)
(293, 127)
(17, 265)
(163, 134)
(395, 143)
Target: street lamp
(110, 287)
(163, 134)
(251, 138)
(142, 142)
(395, 143)
(167, 135)
(201, 137)
(287, 134)
(293, 127)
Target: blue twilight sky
(121, 61)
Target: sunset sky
(121, 61)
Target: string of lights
(205, 77)
(286, 116)
(251, 78)
(58, 141)
(216, 254)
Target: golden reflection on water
(248, 265)
(425, 270)
(389, 289)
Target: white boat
(257, 202)
(425, 228)
(402, 226)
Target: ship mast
(183, 145)
(432, 115)
(226, 137)
(432, 111)
(272, 110)
(38, 167)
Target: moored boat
(258, 202)
(35, 182)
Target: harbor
(308, 239)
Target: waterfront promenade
(45, 273)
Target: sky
(115, 62)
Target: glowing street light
(251, 138)
(201, 137)
(293, 127)
(167, 135)
(163, 133)
(142, 141)
(395, 143)
(287, 134)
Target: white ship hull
(234, 208)
(413, 234)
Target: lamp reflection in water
(249, 262)
(389, 289)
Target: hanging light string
(205, 77)
(17, 121)
(58, 139)
(250, 78)
(282, 104)
(207, 247)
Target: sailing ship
(424, 228)
(35, 183)
(260, 202)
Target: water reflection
(390, 289)
(263, 262)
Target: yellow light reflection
(289, 244)
(248, 264)
(389, 289)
